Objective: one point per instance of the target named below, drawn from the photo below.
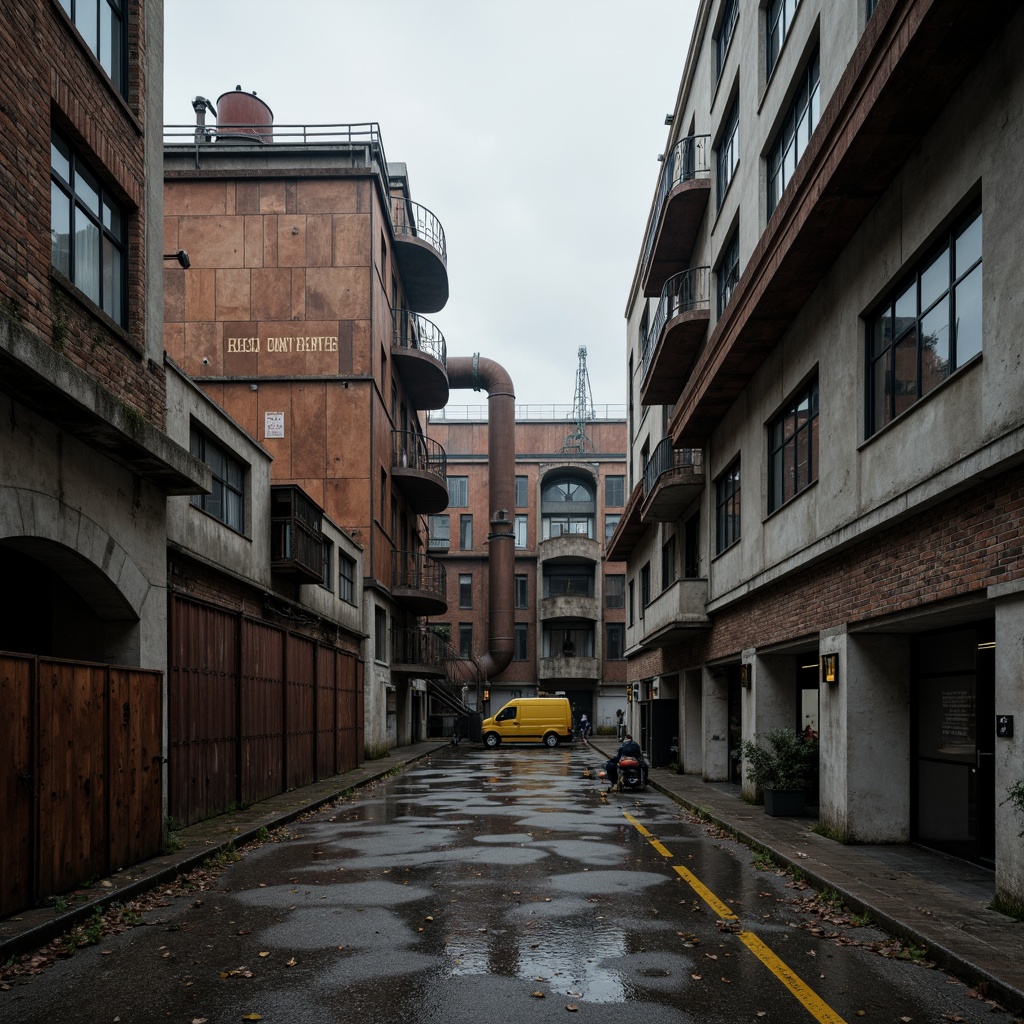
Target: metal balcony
(677, 331)
(419, 353)
(417, 651)
(679, 207)
(419, 583)
(419, 468)
(296, 541)
(673, 479)
(421, 253)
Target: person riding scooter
(629, 748)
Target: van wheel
(492, 739)
(551, 740)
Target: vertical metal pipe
(485, 374)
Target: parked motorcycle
(631, 775)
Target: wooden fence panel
(349, 720)
(203, 743)
(300, 712)
(17, 778)
(262, 711)
(326, 712)
(134, 786)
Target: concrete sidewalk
(37, 926)
(918, 895)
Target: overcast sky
(530, 128)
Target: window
(615, 491)
(615, 641)
(522, 592)
(439, 531)
(521, 527)
(466, 640)
(327, 551)
(522, 483)
(226, 500)
(727, 508)
(794, 133)
(691, 548)
(465, 533)
(793, 447)
(346, 578)
(568, 507)
(380, 634)
(465, 590)
(728, 150)
(928, 327)
(780, 17)
(726, 29)
(728, 272)
(611, 524)
(522, 645)
(614, 591)
(630, 615)
(562, 580)
(645, 587)
(668, 563)
(458, 491)
(102, 27)
(88, 232)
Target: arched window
(568, 506)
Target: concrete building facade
(569, 601)
(826, 413)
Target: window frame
(466, 532)
(728, 493)
(458, 496)
(668, 563)
(725, 34)
(522, 492)
(327, 555)
(346, 578)
(728, 279)
(804, 108)
(945, 244)
(615, 488)
(615, 629)
(521, 525)
(118, 14)
(105, 216)
(645, 587)
(465, 590)
(727, 152)
(380, 634)
(521, 642)
(521, 592)
(200, 445)
(776, 12)
(615, 597)
(780, 443)
(466, 641)
(436, 519)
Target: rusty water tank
(243, 117)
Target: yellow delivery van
(546, 720)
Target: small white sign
(273, 424)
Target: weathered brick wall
(955, 549)
(49, 78)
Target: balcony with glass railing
(673, 480)
(419, 468)
(677, 331)
(422, 254)
(420, 355)
(679, 206)
(419, 583)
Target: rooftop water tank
(242, 117)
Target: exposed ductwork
(487, 375)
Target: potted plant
(781, 769)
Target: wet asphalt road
(485, 885)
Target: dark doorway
(954, 741)
(735, 711)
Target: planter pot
(784, 803)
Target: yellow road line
(804, 994)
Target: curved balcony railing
(667, 459)
(412, 219)
(423, 577)
(420, 647)
(411, 450)
(689, 159)
(682, 293)
(414, 331)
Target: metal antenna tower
(582, 410)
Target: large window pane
(968, 247)
(87, 256)
(968, 317)
(60, 229)
(935, 279)
(935, 347)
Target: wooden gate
(81, 761)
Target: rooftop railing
(682, 293)
(555, 413)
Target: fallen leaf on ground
(291, 963)
(538, 995)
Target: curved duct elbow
(485, 374)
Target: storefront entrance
(954, 741)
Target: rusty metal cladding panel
(300, 712)
(72, 793)
(134, 785)
(349, 712)
(203, 680)
(17, 776)
(262, 711)
(326, 704)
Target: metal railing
(682, 293)
(418, 646)
(689, 159)
(411, 450)
(667, 459)
(414, 331)
(412, 570)
(417, 221)
(555, 413)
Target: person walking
(584, 729)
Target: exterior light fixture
(181, 256)
(830, 668)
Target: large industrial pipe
(485, 374)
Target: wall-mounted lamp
(181, 256)
(745, 676)
(669, 118)
(830, 668)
